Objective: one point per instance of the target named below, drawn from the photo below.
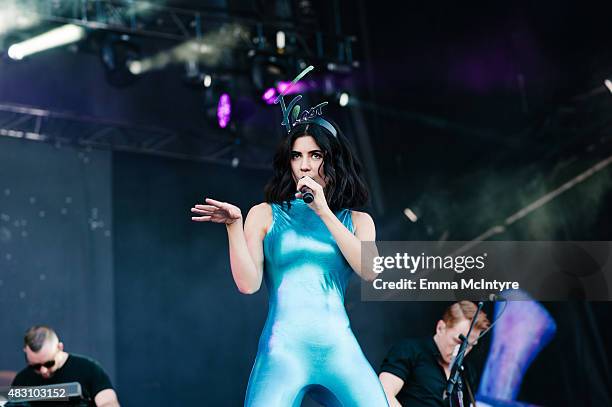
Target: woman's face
(307, 160)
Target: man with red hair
(415, 371)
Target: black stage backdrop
(56, 259)
(186, 336)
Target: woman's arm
(245, 243)
(391, 385)
(246, 248)
(349, 244)
(106, 398)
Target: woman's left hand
(319, 204)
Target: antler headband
(291, 113)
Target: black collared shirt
(415, 361)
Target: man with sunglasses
(48, 363)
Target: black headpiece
(291, 114)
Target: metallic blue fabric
(307, 346)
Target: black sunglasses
(49, 364)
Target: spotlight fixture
(121, 60)
(66, 34)
(343, 99)
(224, 110)
(218, 104)
(280, 41)
(410, 215)
(269, 96)
(286, 88)
(207, 80)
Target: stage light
(209, 50)
(283, 87)
(121, 60)
(608, 84)
(14, 52)
(224, 110)
(410, 215)
(280, 40)
(269, 96)
(300, 87)
(135, 67)
(207, 81)
(191, 53)
(66, 34)
(219, 104)
(343, 99)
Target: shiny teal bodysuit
(307, 346)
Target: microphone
(307, 194)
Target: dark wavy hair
(345, 187)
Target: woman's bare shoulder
(261, 209)
(359, 217)
(260, 214)
(364, 225)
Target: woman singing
(306, 254)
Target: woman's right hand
(215, 211)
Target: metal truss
(156, 21)
(62, 129)
(160, 23)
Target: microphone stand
(454, 381)
(460, 391)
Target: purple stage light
(224, 110)
(269, 96)
(299, 87)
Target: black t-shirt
(77, 368)
(415, 361)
